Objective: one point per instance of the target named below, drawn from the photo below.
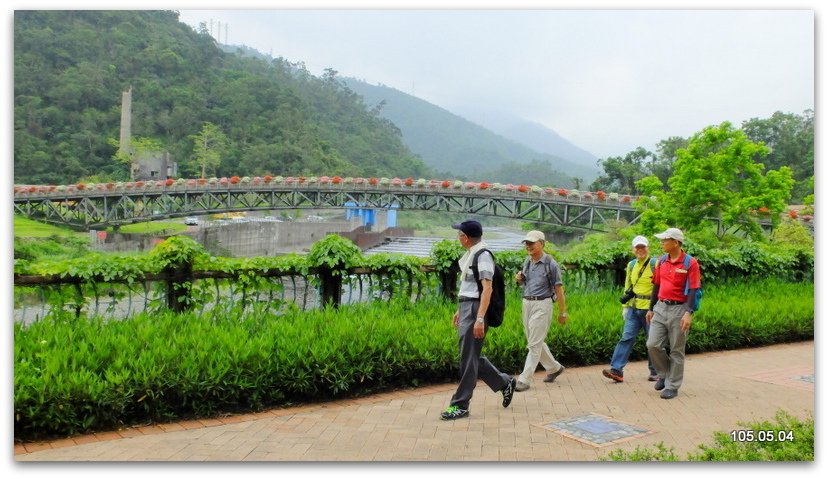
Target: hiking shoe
(652, 377)
(521, 386)
(659, 385)
(669, 394)
(613, 374)
(508, 392)
(454, 412)
(550, 378)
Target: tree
(716, 177)
(620, 174)
(208, 146)
(662, 164)
(790, 139)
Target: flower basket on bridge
(626, 199)
(445, 184)
(268, 178)
(409, 181)
(523, 188)
(484, 186)
(336, 180)
(80, 186)
(601, 195)
(234, 180)
(373, 181)
(562, 192)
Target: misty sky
(609, 81)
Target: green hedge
(78, 375)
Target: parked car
(191, 221)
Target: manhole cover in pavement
(595, 429)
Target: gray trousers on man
(473, 366)
(666, 328)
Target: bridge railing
(395, 185)
(38, 297)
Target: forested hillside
(457, 146)
(70, 68)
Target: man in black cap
(471, 327)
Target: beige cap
(534, 236)
(671, 233)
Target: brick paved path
(720, 389)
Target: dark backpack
(497, 303)
(699, 292)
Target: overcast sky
(608, 81)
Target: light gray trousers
(665, 328)
(473, 366)
(537, 316)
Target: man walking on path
(671, 312)
(541, 280)
(638, 287)
(470, 324)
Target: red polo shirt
(670, 276)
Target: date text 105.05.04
(762, 435)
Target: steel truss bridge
(85, 209)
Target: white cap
(640, 240)
(671, 233)
(534, 236)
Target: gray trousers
(666, 328)
(473, 366)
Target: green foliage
(790, 138)
(798, 446)
(716, 176)
(72, 66)
(644, 454)
(445, 254)
(74, 375)
(176, 250)
(791, 233)
(621, 174)
(208, 147)
(797, 443)
(336, 253)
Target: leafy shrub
(74, 375)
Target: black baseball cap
(470, 228)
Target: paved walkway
(720, 390)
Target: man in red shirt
(671, 312)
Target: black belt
(536, 298)
(671, 302)
(463, 299)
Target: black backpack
(497, 303)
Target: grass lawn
(26, 228)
